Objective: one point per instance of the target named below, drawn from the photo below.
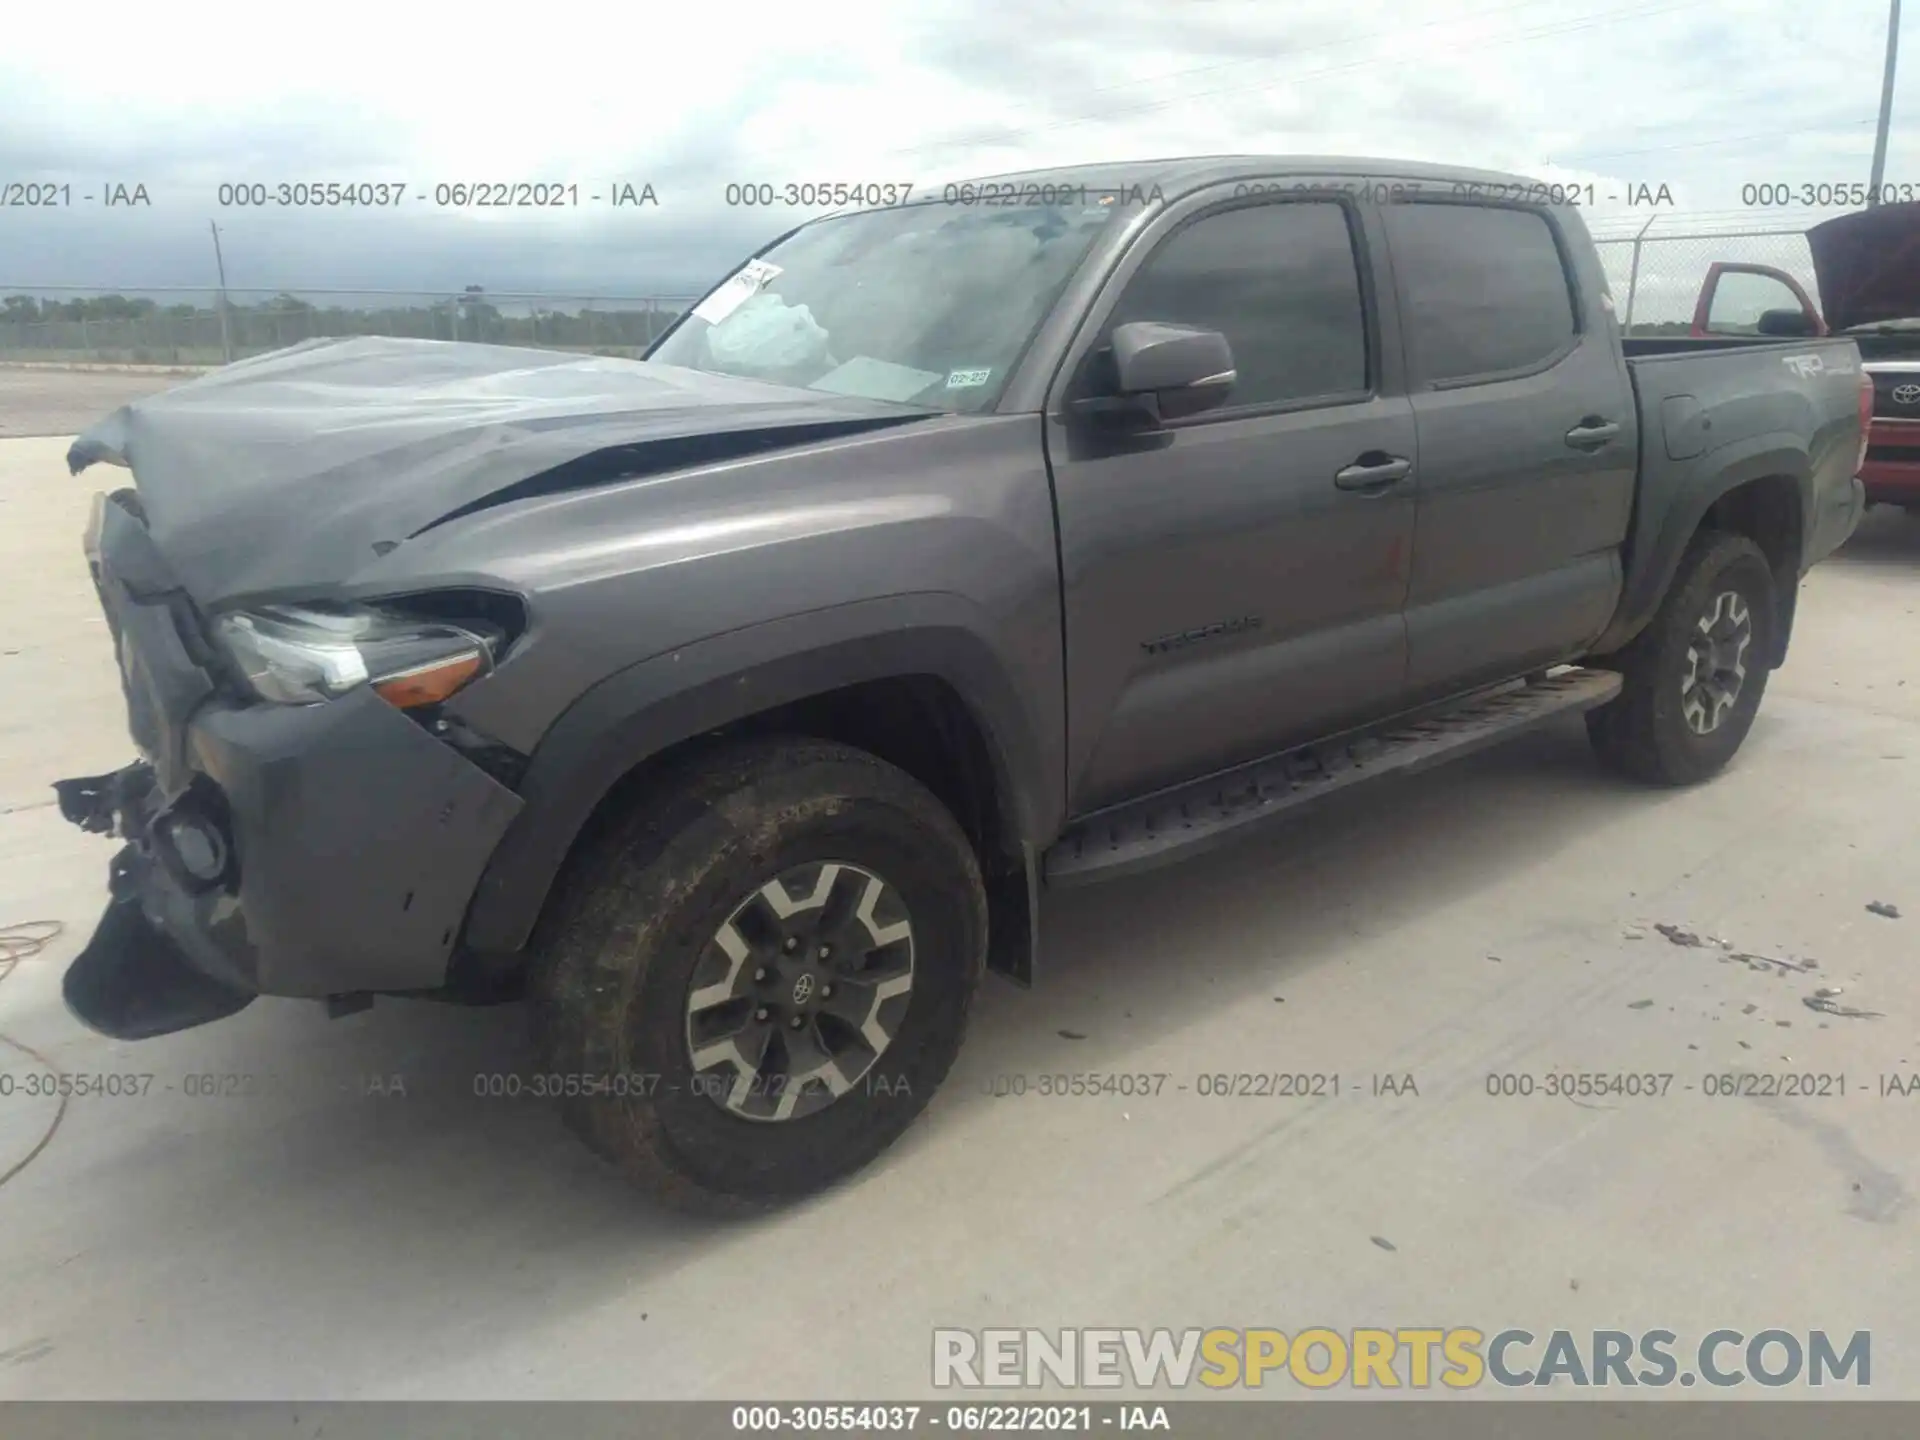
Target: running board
(1177, 824)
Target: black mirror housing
(1784, 322)
(1184, 370)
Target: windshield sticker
(968, 379)
(740, 287)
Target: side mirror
(1784, 322)
(1174, 370)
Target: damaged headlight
(304, 654)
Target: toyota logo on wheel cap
(803, 990)
(1906, 394)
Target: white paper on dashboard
(741, 286)
(875, 379)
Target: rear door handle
(1592, 433)
(1373, 471)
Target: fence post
(220, 263)
(1633, 274)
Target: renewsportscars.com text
(1459, 1358)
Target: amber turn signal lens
(429, 684)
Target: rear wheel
(1694, 677)
(762, 975)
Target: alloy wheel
(801, 991)
(1716, 668)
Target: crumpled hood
(300, 467)
(1868, 265)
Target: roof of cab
(1184, 173)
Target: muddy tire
(1695, 676)
(760, 974)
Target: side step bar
(1176, 824)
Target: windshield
(926, 304)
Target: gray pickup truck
(738, 706)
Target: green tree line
(118, 325)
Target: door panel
(1527, 435)
(1227, 523)
(1223, 594)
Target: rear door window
(1485, 291)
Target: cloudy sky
(1703, 96)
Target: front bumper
(1892, 468)
(307, 850)
(317, 850)
(135, 979)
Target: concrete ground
(60, 400)
(318, 1238)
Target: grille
(1886, 406)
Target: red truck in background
(1867, 265)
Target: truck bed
(1640, 347)
(1711, 408)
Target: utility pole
(1886, 104)
(226, 339)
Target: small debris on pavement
(1880, 907)
(1679, 935)
(1383, 1244)
(1687, 939)
(1827, 992)
(1827, 1005)
(1496, 959)
(1573, 1284)
(1748, 1009)
(1071, 1035)
(1639, 1004)
(1769, 962)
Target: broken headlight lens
(304, 654)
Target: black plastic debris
(1880, 907)
(1823, 1001)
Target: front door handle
(1373, 471)
(1592, 432)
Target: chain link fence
(1656, 279)
(183, 327)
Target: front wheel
(1694, 677)
(762, 974)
